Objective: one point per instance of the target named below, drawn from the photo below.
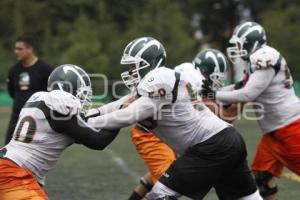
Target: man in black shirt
(27, 76)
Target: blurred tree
(94, 33)
(165, 22)
(282, 24)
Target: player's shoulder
(264, 57)
(184, 67)
(62, 102)
(190, 74)
(37, 96)
(158, 82)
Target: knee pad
(146, 183)
(262, 179)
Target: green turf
(94, 175)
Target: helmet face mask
(141, 56)
(132, 76)
(247, 38)
(236, 51)
(217, 79)
(74, 80)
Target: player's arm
(10, 84)
(81, 132)
(108, 108)
(257, 83)
(140, 109)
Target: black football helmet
(142, 55)
(247, 38)
(213, 65)
(72, 79)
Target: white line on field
(291, 176)
(122, 164)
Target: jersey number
(26, 130)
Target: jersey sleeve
(160, 84)
(140, 109)
(194, 76)
(81, 132)
(62, 102)
(257, 83)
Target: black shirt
(24, 81)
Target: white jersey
(195, 76)
(169, 107)
(280, 103)
(184, 120)
(35, 145)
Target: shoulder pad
(157, 83)
(38, 96)
(264, 57)
(184, 67)
(62, 102)
(190, 74)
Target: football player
(48, 123)
(269, 85)
(212, 153)
(155, 153)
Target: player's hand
(207, 90)
(94, 112)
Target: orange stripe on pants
(156, 154)
(278, 149)
(17, 183)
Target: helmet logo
(71, 68)
(211, 55)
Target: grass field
(111, 174)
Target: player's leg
(277, 149)
(237, 182)
(266, 183)
(288, 146)
(145, 185)
(18, 184)
(157, 157)
(201, 167)
(266, 166)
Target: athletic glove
(94, 112)
(207, 90)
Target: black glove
(239, 85)
(207, 90)
(94, 112)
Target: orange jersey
(278, 149)
(18, 183)
(156, 154)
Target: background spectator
(27, 76)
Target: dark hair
(28, 40)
